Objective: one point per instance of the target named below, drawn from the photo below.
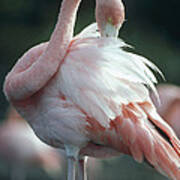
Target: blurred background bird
(152, 29)
(169, 106)
(20, 149)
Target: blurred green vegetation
(152, 28)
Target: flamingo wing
(99, 76)
(110, 86)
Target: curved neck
(64, 29)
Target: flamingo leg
(72, 153)
(18, 173)
(82, 168)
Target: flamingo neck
(64, 29)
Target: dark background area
(152, 27)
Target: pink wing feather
(134, 133)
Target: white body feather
(99, 76)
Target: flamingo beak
(110, 30)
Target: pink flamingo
(22, 149)
(87, 95)
(169, 107)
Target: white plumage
(101, 81)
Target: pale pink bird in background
(21, 149)
(169, 106)
(87, 95)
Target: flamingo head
(109, 16)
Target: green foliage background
(152, 27)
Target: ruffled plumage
(111, 87)
(102, 76)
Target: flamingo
(169, 107)
(22, 149)
(86, 95)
